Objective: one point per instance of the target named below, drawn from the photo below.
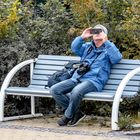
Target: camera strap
(88, 52)
(78, 79)
(95, 58)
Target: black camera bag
(63, 74)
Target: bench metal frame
(5, 85)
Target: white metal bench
(124, 81)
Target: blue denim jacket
(101, 59)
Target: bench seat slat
(45, 92)
(110, 82)
(107, 87)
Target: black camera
(96, 31)
(83, 68)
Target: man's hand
(86, 33)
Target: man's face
(99, 39)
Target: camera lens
(96, 31)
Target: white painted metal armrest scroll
(8, 79)
(116, 102)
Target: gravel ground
(132, 135)
(83, 129)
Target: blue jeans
(76, 93)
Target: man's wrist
(82, 37)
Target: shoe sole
(78, 121)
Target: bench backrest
(46, 65)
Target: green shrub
(9, 16)
(125, 122)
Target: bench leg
(115, 113)
(33, 114)
(2, 98)
(114, 118)
(32, 105)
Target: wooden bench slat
(107, 87)
(44, 72)
(130, 61)
(125, 93)
(63, 62)
(53, 57)
(39, 82)
(125, 67)
(121, 76)
(42, 91)
(37, 86)
(52, 62)
(112, 76)
(118, 71)
(49, 67)
(110, 82)
(56, 57)
(40, 77)
(127, 88)
(59, 67)
(117, 82)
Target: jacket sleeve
(78, 46)
(113, 52)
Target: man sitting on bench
(97, 57)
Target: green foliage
(123, 23)
(8, 17)
(131, 106)
(50, 30)
(86, 12)
(131, 26)
(125, 122)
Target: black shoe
(79, 116)
(63, 121)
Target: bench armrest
(13, 72)
(118, 96)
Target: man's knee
(54, 91)
(76, 96)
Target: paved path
(46, 129)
